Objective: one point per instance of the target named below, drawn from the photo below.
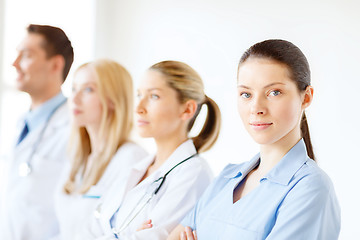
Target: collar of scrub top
(283, 171)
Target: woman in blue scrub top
(281, 193)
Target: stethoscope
(152, 190)
(25, 168)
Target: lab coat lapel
(121, 188)
(184, 151)
(59, 119)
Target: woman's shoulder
(198, 167)
(127, 156)
(131, 150)
(311, 173)
(310, 179)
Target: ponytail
(211, 128)
(189, 85)
(286, 53)
(306, 136)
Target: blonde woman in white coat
(101, 152)
(170, 98)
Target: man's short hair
(56, 43)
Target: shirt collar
(293, 160)
(243, 169)
(283, 172)
(41, 114)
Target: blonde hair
(188, 84)
(115, 89)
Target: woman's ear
(190, 107)
(308, 97)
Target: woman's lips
(76, 111)
(142, 122)
(260, 125)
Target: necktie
(23, 133)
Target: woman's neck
(271, 154)
(166, 146)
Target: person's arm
(175, 234)
(309, 211)
(182, 233)
(179, 233)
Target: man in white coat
(44, 59)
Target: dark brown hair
(286, 53)
(188, 84)
(56, 43)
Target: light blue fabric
(35, 118)
(295, 200)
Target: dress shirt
(295, 200)
(179, 193)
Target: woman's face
(85, 101)
(269, 103)
(158, 110)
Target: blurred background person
(44, 59)
(162, 188)
(100, 146)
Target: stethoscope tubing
(26, 165)
(129, 219)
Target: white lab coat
(28, 208)
(179, 193)
(73, 210)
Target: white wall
(211, 35)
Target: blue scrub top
(295, 200)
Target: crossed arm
(179, 233)
(182, 233)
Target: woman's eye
(154, 96)
(88, 89)
(274, 93)
(245, 95)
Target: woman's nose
(140, 107)
(258, 107)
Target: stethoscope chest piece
(97, 212)
(24, 169)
